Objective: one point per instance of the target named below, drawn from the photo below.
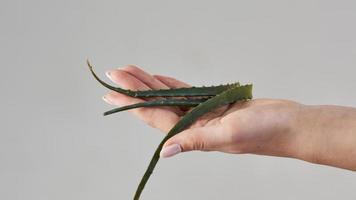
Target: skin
(321, 134)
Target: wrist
(298, 138)
(286, 132)
(306, 131)
(326, 135)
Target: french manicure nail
(170, 150)
(108, 74)
(106, 100)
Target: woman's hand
(261, 126)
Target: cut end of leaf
(107, 113)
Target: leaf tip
(88, 64)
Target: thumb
(201, 138)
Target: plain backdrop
(55, 144)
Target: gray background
(55, 144)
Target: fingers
(161, 118)
(126, 80)
(145, 77)
(149, 81)
(171, 82)
(206, 138)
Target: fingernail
(170, 150)
(108, 74)
(106, 100)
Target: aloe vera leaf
(178, 92)
(161, 102)
(231, 95)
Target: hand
(318, 134)
(262, 126)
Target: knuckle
(197, 143)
